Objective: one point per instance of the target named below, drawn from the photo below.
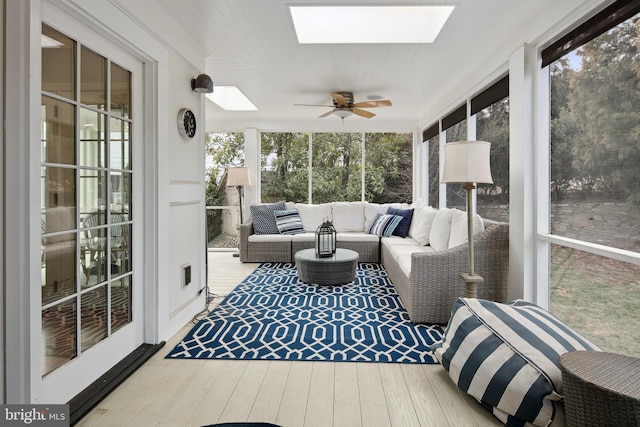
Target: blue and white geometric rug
(273, 316)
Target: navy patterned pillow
(402, 229)
(264, 221)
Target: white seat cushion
(357, 237)
(404, 260)
(270, 238)
(398, 251)
(397, 240)
(304, 237)
(404, 263)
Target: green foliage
(285, 164)
(595, 127)
(493, 126)
(223, 150)
(456, 196)
(336, 167)
(434, 171)
(389, 167)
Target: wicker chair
(600, 389)
(428, 294)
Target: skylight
(231, 98)
(46, 41)
(368, 24)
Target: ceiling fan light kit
(343, 113)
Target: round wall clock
(186, 123)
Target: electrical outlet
(186, 274)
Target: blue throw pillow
(384, 224)
(264, 222)
(402, 229)
(288, 222)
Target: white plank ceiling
(252, 44)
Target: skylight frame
(231, 98)
(368, 24)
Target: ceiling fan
(343, 106)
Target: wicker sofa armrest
(246, 230)
(435, 276)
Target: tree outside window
(492, 125)
(595, 186)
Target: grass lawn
(597, 297)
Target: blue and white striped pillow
(288, 222)
(506, 357)
(384, 224)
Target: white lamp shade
(467, 161)
(238, 177)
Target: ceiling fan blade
(328, 113)
(312, 105)
(373, 104)
(339, 98)
(363, 113)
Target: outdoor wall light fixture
(202, 84)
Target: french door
(91, 303)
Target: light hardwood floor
(200, 392)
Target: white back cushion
(420, 229)
(441, 229)
(348, 216)
(459, 227)
(371, 210)
(314, 215)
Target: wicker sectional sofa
(424, 264)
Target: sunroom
(93, 157)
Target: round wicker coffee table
(335, 270)
(600, 389)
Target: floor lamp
(239, 177)
(467, 162)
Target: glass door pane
(58, 136)
(85, 199)
(93, 146)
(120, 91)
(93, 79)
(58, 63)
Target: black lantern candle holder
(325, 240)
